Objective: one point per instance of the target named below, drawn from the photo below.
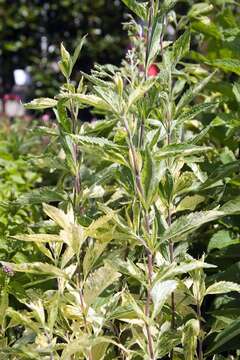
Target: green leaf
(221, 172)
(199, 9)
(129, 268)
(189, 338)
(180, 150)
(84, 343)
(62, 117)
(41, 238)
(194, 111)
(209, 28)
(92, 255)
(65, 64)
(97, 282)
(236, 91)
(190, 203)
(139, 92)
(160, 293)
(190, 94)
(64, 54)
(74, 236)
(103, 147)
(181, 47)
(38, 268)
(231, 207)
(168, 5)
(78, 50)
(221, 239)
(153, 47)
(41, 103)
(222, 287)
(225, 336)
(228, 65)
(188, 223)
(89, 100)
(140, 9)
(58, 216)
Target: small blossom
(45, 118)
(153, 70)
(8, 270)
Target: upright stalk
(169, 213)
(76, 194)
(77, 180)
(140, 193)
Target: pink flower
(153, 70)
(45, 118)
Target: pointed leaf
(139, 92)
(224, 337)
(78, 50)
(228, 65)
(160, 293)
(36, 268)
(97, 282)
(180, 150)
(222, 287)
(194, 111)
(41, 238)
(154, 42)
(89, 100)
(41, 103)
(181, 47)
(190, 94)
(57, 215)
(140, 9)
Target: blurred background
(30, 37)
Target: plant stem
(140, 192)
(200, 344)
(147, 306)
(77, 180)
(169, 214)
(83, 309)
(171, 249)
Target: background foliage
(30, 34)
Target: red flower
(153, 70)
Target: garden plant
(137, 254)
